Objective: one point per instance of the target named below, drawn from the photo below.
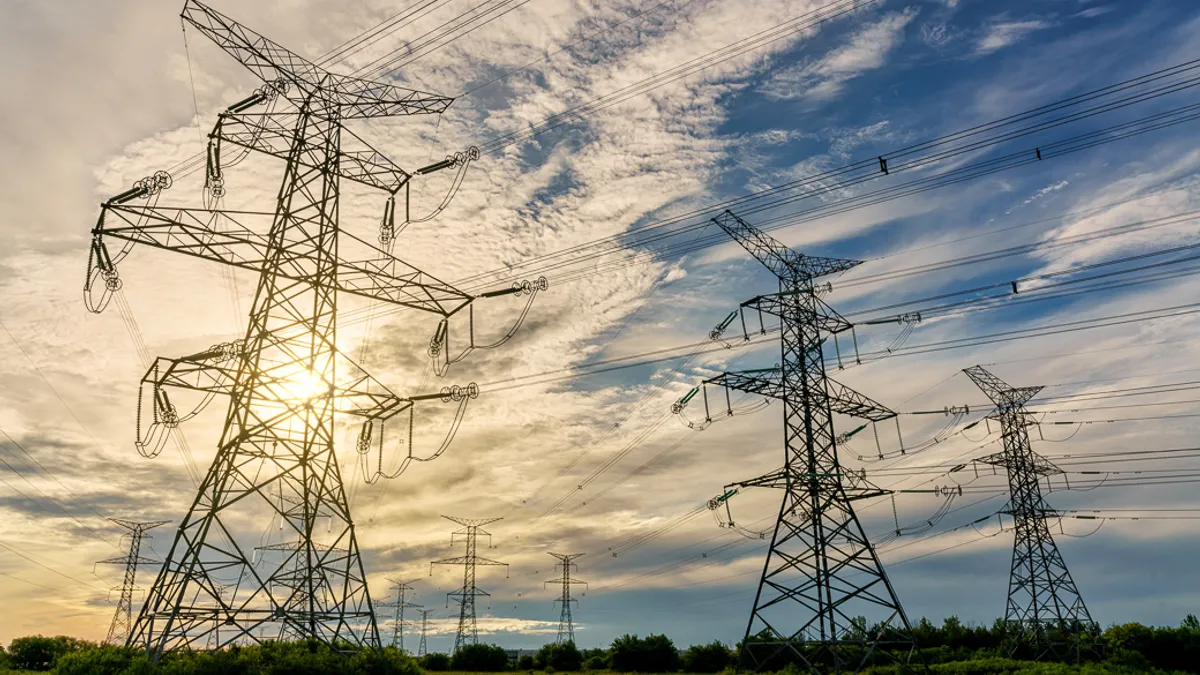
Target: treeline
(953, 648)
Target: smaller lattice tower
(423, 649)
(122, 621)
(1045, 612)
(398, 605)
(468, 632)
(566, 626)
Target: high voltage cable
(587, 38)
(869, 168)
(630, 361)
(732, 50)
(424, 44)
(382, 29)
(912, 188)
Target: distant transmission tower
(398, 606)
(286, 378)
(122, 621)
(821, 573)
(566, 626)
(423, 649)
(1045, 612)
(468, 633)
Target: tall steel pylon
(122, 621)
(468, 632)
(821, 572)
(423, 648)
(566, 625)
(1045, 612)
(286, 379)
(398, 605)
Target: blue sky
(115, 91)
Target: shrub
(480, 659)
(654, 654)
(37, 652)
(435, 662)
(595, 663)
(709, 658)
(525, 662)
(564, 657)
(102, 660)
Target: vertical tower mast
(1045, 612)
(821, 572)
(122, 621)
(285, 379)
(566, 625)
(423, 648)
(468, 632)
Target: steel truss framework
(122, 621)
(1045, 614)
(423, 648)
(468, 631)
(285, 379)
(566, 624)
(821, 573)
(398, 607)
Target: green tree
(562, 657)
(480, 659)
(525, 662)
(654, 654)
(38, 652)
(435, 662)
(709, 658)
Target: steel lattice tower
(286, 378)
(821, 572)
(422, 649)
(468, 633)
(398, 606)
(1045, 612)
(566, 626)
(122, 621)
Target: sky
(99, 96)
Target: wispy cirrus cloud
(824, 78)
(1008, 33)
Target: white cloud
(1004, 34)
(824, 78)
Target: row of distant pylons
(276, 462)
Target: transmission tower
(398, 606)
(285, 378)
(422, 649)
(821, 572)
(468, 633)
(1045, 612)
(118, 630)
(566, 626)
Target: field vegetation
(953, 648)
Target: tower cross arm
(844, 400)
(352, 97)
(359, 394)
(764, 382)
(783, 262)
(274, 134)
(127, 560)
(194, 232)
(1005, 397)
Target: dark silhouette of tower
(122, 621)
(566, 625)
(1045, 612)
(468, 633)
(821, 572)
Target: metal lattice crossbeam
(346, 96)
